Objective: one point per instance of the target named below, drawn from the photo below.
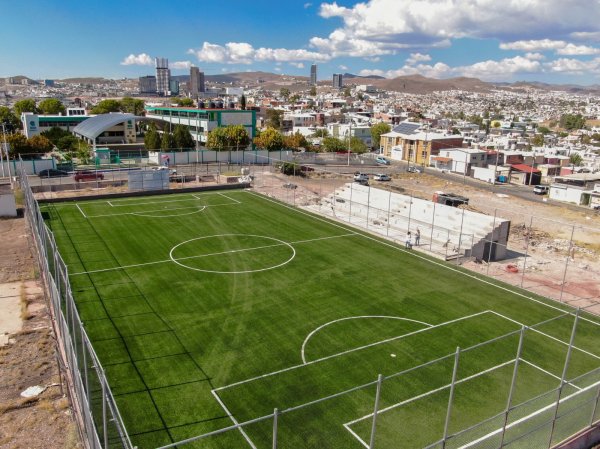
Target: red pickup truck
(87, 175)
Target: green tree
(243, 102)
(285, 93)
(83, 152)
(11, 121)
(39, 144)
(26, 105)
(152, 139)
(357, 145)
(321, 132)
(270, 139)
(347, 92)
(572, 121)
(237, 137)
(187, 102)
(296, 141)
(274, 118)
(217, 139)
(376, 131)
(538, 140)
(67, 143)
(106, 106)
(51, 106)
(183, 137)
(133, 106)
(575, 159)
(333, 144)
(55, 134)
(313, 91)
(167, 142)
(543, 130)
(294, 98)
(17, 143)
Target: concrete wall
(8, 207)
(32, 167)
(565, 193)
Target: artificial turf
(201, 306)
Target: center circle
(232, 253)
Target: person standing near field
(408, 242)
(417, 237)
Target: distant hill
(418, 84)
(370, 77)
(90, 80)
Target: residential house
(582, 189)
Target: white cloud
(574, 66)
(298, 65)
(244, 53)
(417, 57)
(534, 56)
(558, 46)
(180, 65)
(307, 5)
(343, 67)
(141, 59)
(586, 35)
(533, 45)
(487, 70)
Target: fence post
(368, 204)
(432, 226)
(451, 397)
(526, 251)
(491, 243)
(350, 213)
(595, 407)
(562, 287)
(462, 221)
(564, 375)
(104, 417)
(389, 210)
(275, 416)
(513, 382)
(410, 201)
(375, 410)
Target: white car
(361, 177)
(381, 177)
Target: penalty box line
(387, 340)
(233, 251)
(184, 197)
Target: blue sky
(535, 40)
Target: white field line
(199, 208)
(527, 417)
(314, 331)
(125, 203)
(547, 372)
(235, 421)
(547, 335)
(430, 392)
(415, 254)
(207, 255)
(294, 367)
(82, 213)
(110, 204)
(231, 199)
(355, 435)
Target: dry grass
(25, 314)
(16, 404)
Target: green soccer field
(209, 309)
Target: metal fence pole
(432, 226)
(526, 251)
(451, 397)
(513, 383)
(375, 410)
(564, 375)
(562, 287)
(275, 416)
(368, 205)
(387, 232)
(462, 220)
(491, 243)
(410, 201)
(595, 407)
(350, 213)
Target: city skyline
(549, 41)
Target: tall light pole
(7, 157)
(349, 136)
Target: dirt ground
(29, 356)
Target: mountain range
(412, 84)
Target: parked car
(414, 169)
(541, 190)
(358, 176)
(381, 160)
(88, 175)
(381, 177)
(52, 173)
